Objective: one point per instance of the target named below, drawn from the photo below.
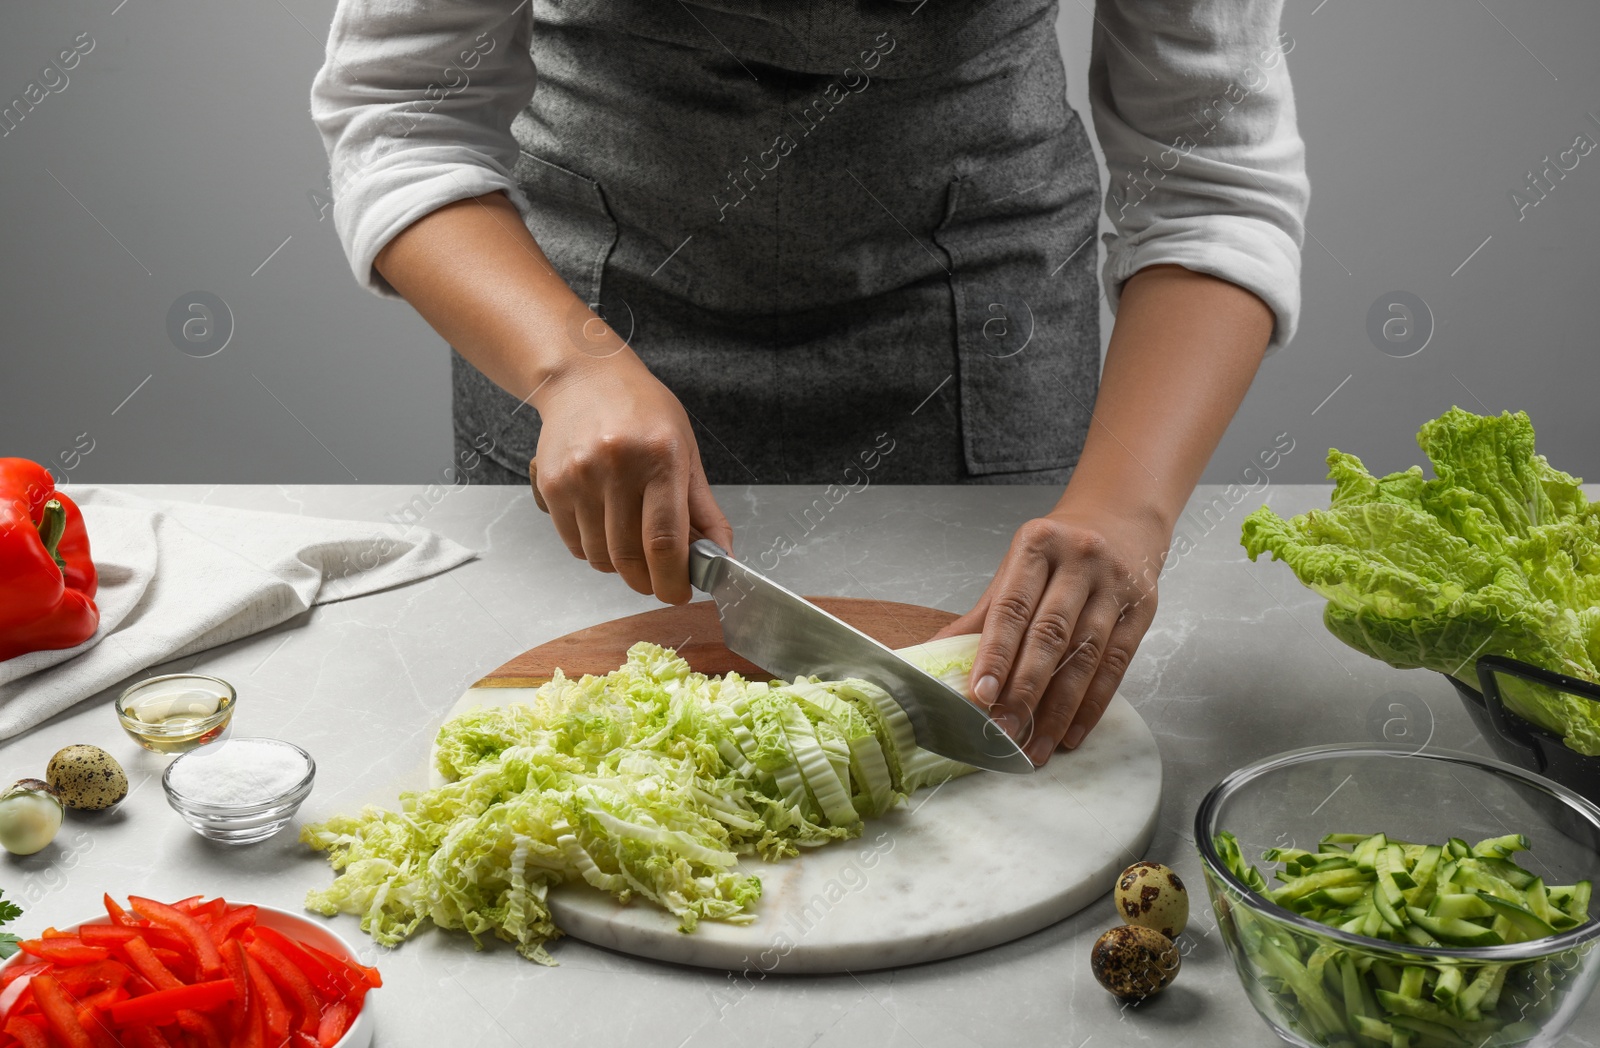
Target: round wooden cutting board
(978, 861)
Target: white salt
(240, 772)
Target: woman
(677, 243)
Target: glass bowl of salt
(242, 791)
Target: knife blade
(788, 636)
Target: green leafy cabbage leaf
(649, 782)
(1499, 553)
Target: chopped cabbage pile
(650, 781)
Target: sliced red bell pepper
(98, 1032)
(356, 970)
(17, 989)
(211, 909)
(105, 934)
(233, 922)
(64, 951)
(138, 985)
(144, 1037)
(250, 1031)
(28, 1033)
(178, 962)
(98, 999)
(163, 1006)
(45, 570)
(149, 966)
(93, 977)
(290, 979)
(193, 932)
(186, 905)
(11, 972)
(301, 1039)
(118, 915)
(93, 1022)
(332, 984)
(53, 932)
(57, 1009)
(233, 959)
(335, 1021)
(201, 1027)
(275, 1015)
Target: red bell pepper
(335, 1021)
(357, 971)
(330, 982)
(28, 1033)
(233, 959)
(290, 979)
(200, 1027)
(144, 1037)
(105, 934)
(12, 972)
(275, 1015)
(192, 931)
(58, 1012)
(93, 977)
(114, 910)
(47, 580)
(64, 951)
(163, 1006)
(149, 966)
(232, 922)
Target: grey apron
(830, 227)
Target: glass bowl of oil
(176, 712)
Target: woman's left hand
(1061, 621)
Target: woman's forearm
(476, 274)
(1184, 350)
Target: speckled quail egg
(1134, 962)
(1150, 895)
(87, 777)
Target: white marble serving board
(976, 862)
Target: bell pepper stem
(52, 525)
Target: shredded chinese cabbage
(650, 781)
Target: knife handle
(703, 557)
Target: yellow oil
(176, 722)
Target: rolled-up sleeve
(1195, 112)
(414, 101)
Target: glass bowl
(245, 822)
(1298, 972)
(176, 712)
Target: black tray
(1521, 742)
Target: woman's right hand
(617, 465)
(618, 469)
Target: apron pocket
(569, 218)
(1027, 325)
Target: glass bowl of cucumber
(1381, 895)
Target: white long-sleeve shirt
(1191, 101)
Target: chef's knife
(788, 636)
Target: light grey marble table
(1237, 666)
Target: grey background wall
(177, 157)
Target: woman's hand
(1077, 590)
(1061, 621)
(617, 465)
(619, 470)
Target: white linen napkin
(179, 577)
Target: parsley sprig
(9, 911)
